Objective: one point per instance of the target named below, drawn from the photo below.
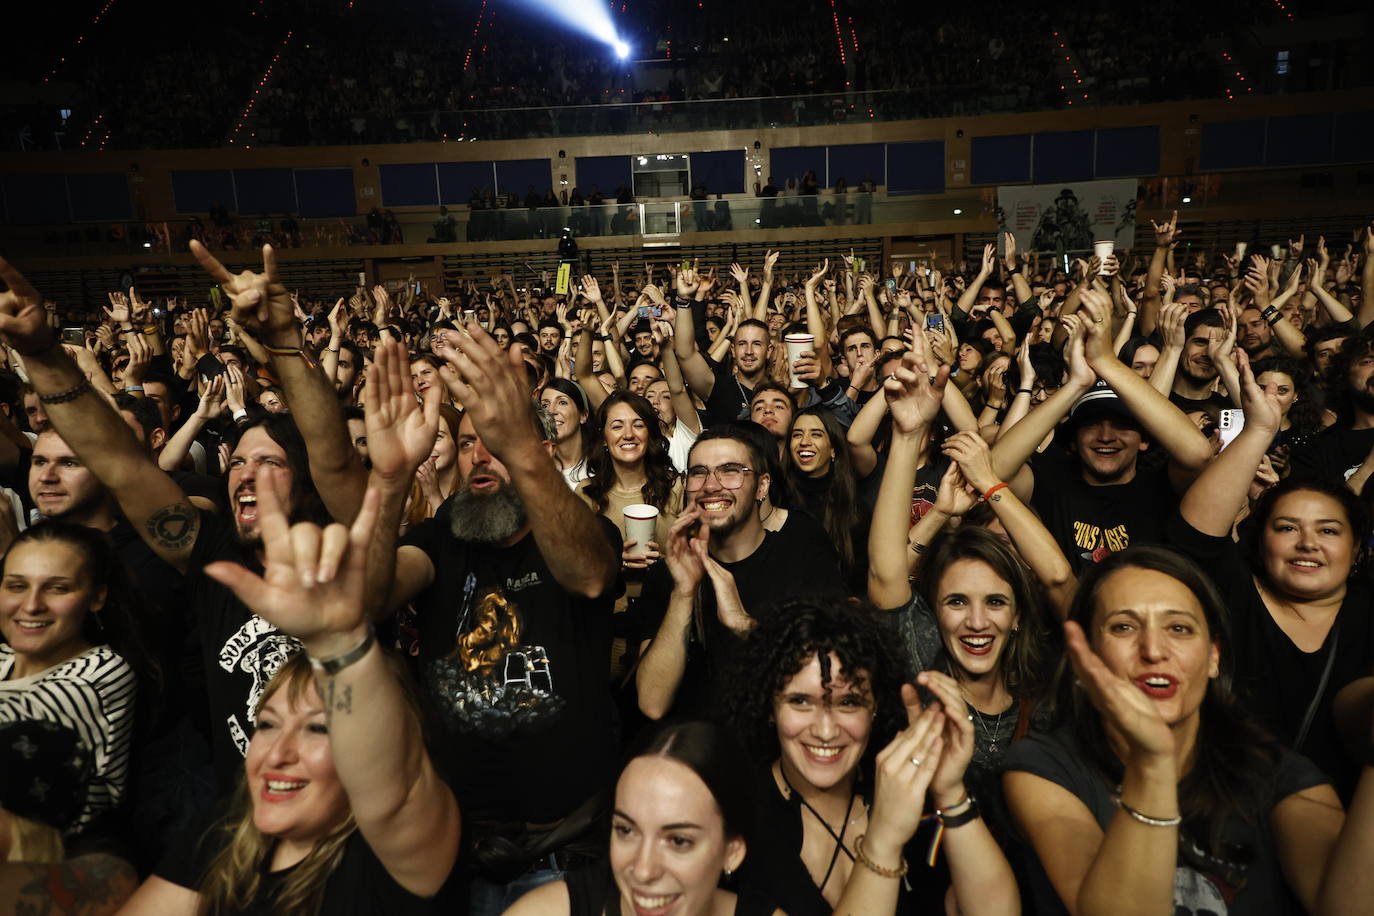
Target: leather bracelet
(1025, 391)
(71, 394)
(951, 821)
(332, 666)
(1147, 820)
(866, 862)
(1271, 315)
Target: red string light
(839, 36)
(257, 92)
(80, 38)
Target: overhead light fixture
(958, 211)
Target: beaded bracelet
(866, 862)
(71, 394)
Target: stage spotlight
(591, 17)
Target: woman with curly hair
(819, 698)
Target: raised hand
(769, 259)
(1124, 707)
(1009, 256)
(23, 320)
(818, 274)
(913, 397)
(741, 276)
(400, 432)
(684, 562)
(632, 559)
(259, 301)
(233, 389)
(211, 400)
(947, 784)
(1173, 316)
(952, 498)
(494, 390)
(904, 770)
(1097, 328)
(1261, 405)
(971, 453)
(1167, 233)
(989, 260)
(314, 579)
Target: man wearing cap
(1094, 499)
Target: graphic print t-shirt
(517, 688)
(1091, 523)
(241, 650)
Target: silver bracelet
(1147, 820)
(332, 666)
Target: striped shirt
(92, 694)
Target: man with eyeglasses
(691, 628)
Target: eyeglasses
(730, 475)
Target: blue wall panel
(198, 191)
(605, 173)
(323, 193)
(1127, 152)
(100, 196)
(410, 185)
(794, 162)
(36, 198)
(514, 176)
(855, 162)
(1298, 140)
(1354, 137)
(916, 168)
(1001, 160)
(265, 191)
(457, 180)
(722, 172)
(1064, 155)
(1232, 145)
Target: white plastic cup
(1102, 251)
(1276, 251)
(797, 344)
(640, 521)
(1240, 249)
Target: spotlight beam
(590, 17)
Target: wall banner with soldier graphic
(1069, 218)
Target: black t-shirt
(797, 562)
(1202, 884)
(1274, 679)
(773, 869)
(240, 650)
(729, 400)
(524, 726)
(1213, 401)
(1333, 454)
(1089, 523)
(359, 884)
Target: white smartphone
(1230, 424)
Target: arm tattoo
(345, 701)
(95, 883)
(174, 527)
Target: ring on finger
(916, 761)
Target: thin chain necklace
(990, 733)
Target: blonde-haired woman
(341, 810)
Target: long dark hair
(115, 624)
(786, 639)
(659, 473)
(306, 503)
(1025, 660)
(840, 505)
(1234, 760)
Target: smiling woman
(70, 653)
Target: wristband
(1014, 270)
(1024, 391)
(1271, 315)
(241, 414)
(133, 387)
(968, 815)
(332, 666)
(993, 489)
(283, 351)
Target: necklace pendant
(992, 748)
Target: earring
(728, 872)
